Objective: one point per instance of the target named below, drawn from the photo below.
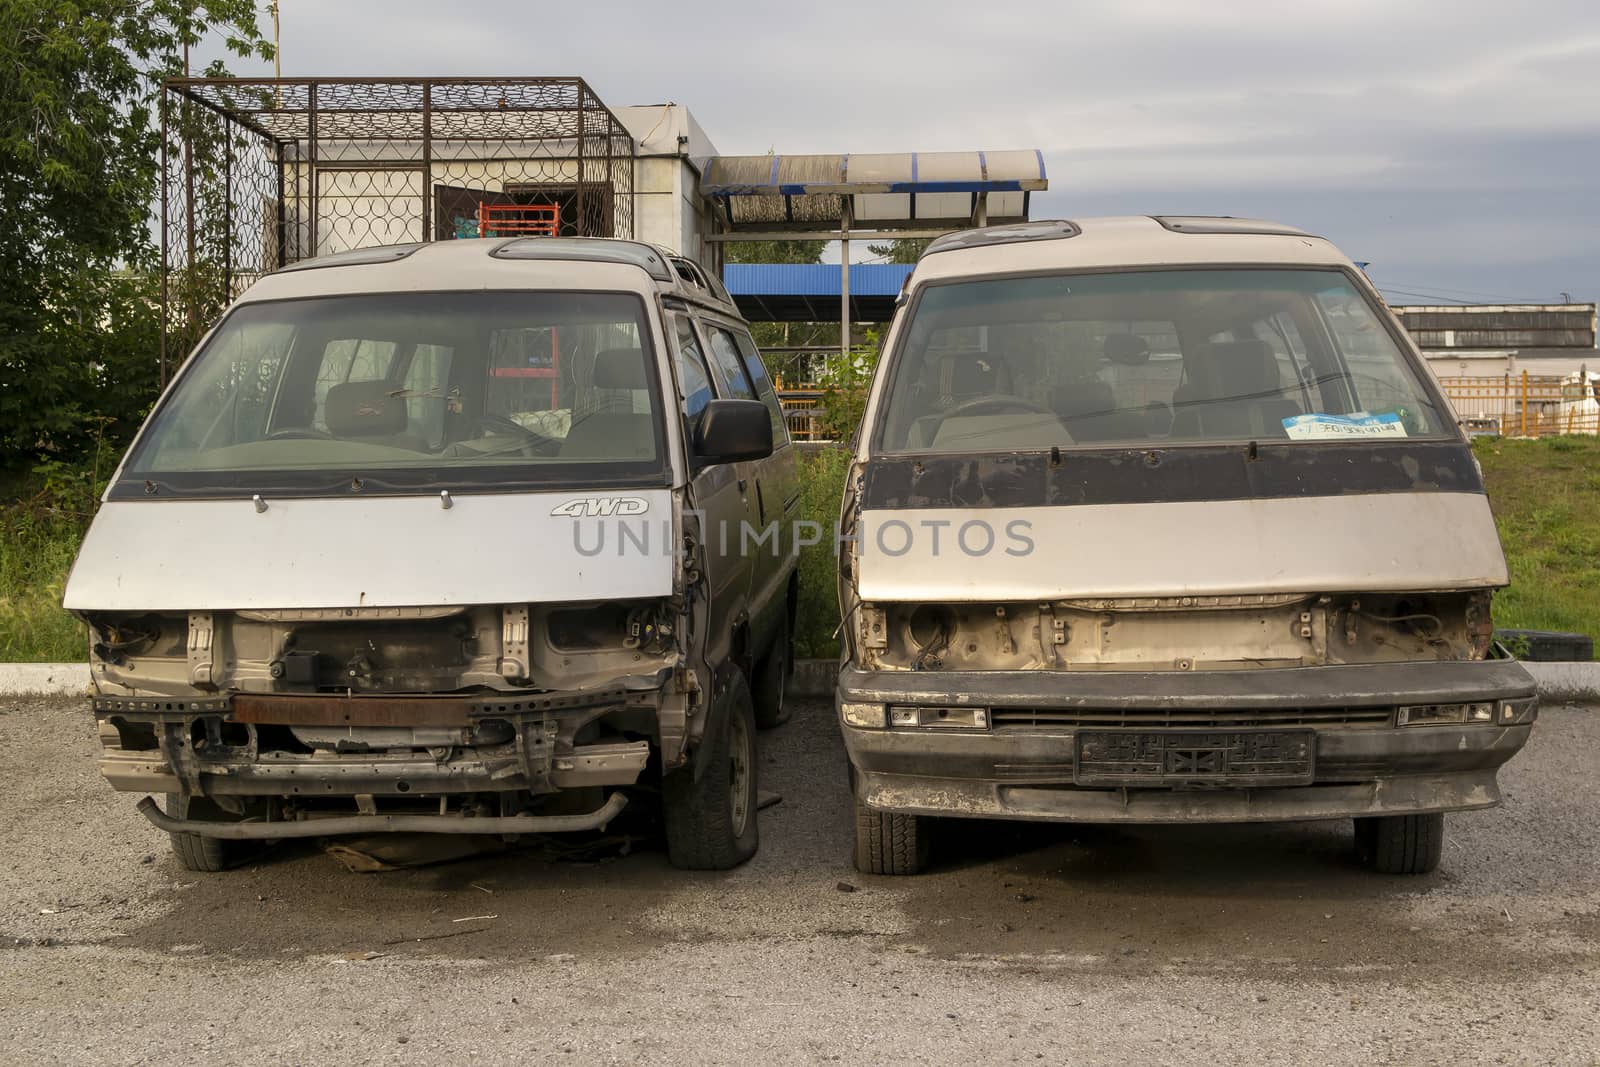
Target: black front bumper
(1025, 765)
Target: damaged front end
(475, 719)
(1174, 633)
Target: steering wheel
(996, 404)
(299, 433)
(533, 442)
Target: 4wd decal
(588, 507)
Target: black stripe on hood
(1168, 475)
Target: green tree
(79, 166)
(900, 250)
(773, 251)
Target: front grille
(1188, 718)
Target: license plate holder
(1194, 758)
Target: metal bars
(260, 172)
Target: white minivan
(433, 538)
(1165, 520)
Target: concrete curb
(1576, 683)
(1573, 682)
(814, 677)
(44, 679)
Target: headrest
(1129, 349)
(619, 368)
(364, 409)
(1234, 368)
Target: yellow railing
(1520, 405)
(801, 410)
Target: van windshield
(431, 383)
(1132, 359)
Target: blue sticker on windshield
(1318, 426)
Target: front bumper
(1025, 766)
(242, 745)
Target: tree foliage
(901, 249)
(79, 152)
(773, 251)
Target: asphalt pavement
(1025, 943)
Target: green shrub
(36, 552)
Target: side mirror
(733, 430)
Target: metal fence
(1522, 405)
(259, 173)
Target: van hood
(220, 555)
(1376, 542)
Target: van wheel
(711, 821)
(204, 854)
(890, 842)
(1401, 844)
(772, 680)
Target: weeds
(822, 475)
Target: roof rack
(592, 249)
(1043, 230)
(1227, 224)
(355, 257)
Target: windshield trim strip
(1169, 475)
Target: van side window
(694, 376)
(764, 388)
(730, 367)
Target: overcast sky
(1455, 145)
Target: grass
(36, 551)
(1546, 500)
(1545, 495)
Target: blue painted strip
(1040, 154)
(773, 180)
(801, 189)
(913, 168)
(983, 166)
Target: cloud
(1459, 139)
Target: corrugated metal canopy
(883, 191)
(809, 292)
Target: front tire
(1401, 844)
(711, 820)
(205, 855)
(890, 842)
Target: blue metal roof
(813, 279)
(809, 292)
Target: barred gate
(260, 173)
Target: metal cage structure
(261, 173)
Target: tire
(207, 855)
(889, 842)
(711, 821)
(772, 680)
(1401, 844)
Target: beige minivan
(1165, 520)
(432, 538)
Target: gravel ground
(1027, 944)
